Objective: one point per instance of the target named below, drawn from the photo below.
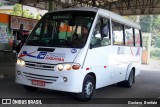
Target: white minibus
(79, 50)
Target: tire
(30, 88)
(130, 80)
(121, 84)
(87, 90)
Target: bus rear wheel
(130, 81)
(87, 90)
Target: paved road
(146, 86)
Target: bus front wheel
(88, 89)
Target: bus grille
(37, 65)
(47, 79)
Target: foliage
(17, 10)
(156, 40)
(1, 4)
(31, 16)
(151, 24)
(155, 54)
(26, 13)
(155, 23)
(133, 18)
(145, 22)
(38, 17)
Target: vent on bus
(38, 65)
(46, 49)
(47, 79)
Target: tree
(17, 10)
(133, 18)
(31, 16)
(145, 22)
(151, 24)
(38, 16)
(1, 4)
(25, 13)
(155, 24)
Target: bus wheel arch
(87, 87)
(94, 77)
(131, 78)
(134, 70)
(129, 69)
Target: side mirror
(105, 30)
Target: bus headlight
(60, 67)
(20, 62)
(68, 67)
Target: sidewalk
(154, 65)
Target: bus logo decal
(41, 55)
(55, 56)
(73, 50)
(24, 53)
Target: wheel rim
(89, 89)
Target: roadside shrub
(155, 54)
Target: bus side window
(117, 33)
(128, 36)
(137, 37)
(102, 26)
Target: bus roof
(119, 18)
(107, 13)
(79, 9)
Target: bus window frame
(132, 36)
(140, 34)
(112, 32)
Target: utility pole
(93, 3)
(50, 5)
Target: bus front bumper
(67, 81)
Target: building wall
(5, 33)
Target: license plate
(38, 82)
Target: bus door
(99, 53)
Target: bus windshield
(68, 29)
